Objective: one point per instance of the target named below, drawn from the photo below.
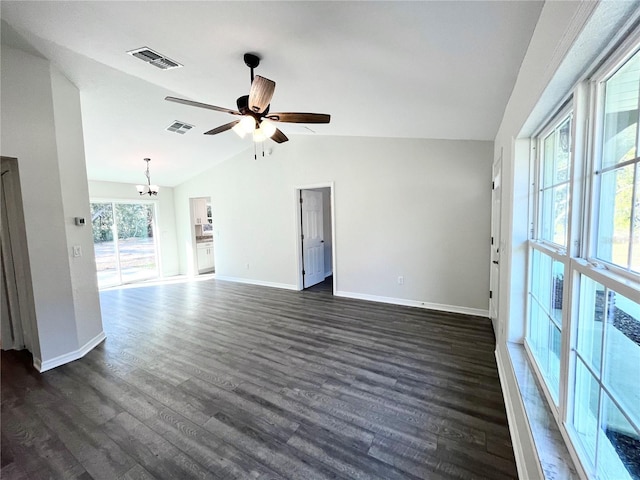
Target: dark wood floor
(213, 379)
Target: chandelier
(147, 189)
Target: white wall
(51, 159)
(416, 208)
(165, 212)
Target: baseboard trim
(415, 303)
(524, 449)
(261, 283)
(68, 357)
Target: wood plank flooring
(216, 380)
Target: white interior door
(312, 237)
(495, 243)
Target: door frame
(298, 236)
(21, 285)
(496, 246)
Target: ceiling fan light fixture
(259, 135)
(248, 124)
(267, 127)
(239, 129)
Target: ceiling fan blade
(260, 94)
(222, 128)
(292, 117)
(279, 137)
(202, 105)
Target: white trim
(478, 312)
(68, 357)
(262, 283)
(524, 449)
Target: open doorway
(316, 236)
(202, 235)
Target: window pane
(590, 321)
(635, 248)
(553, 371)
(563, 150)
(585, 409)
(618, 445)
(614, 225)
(106, 255)
(622, 353)
(621, 114)
(136, 245)
(555, 201)
(545, 316)
(554, 184)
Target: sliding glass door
(124, 242)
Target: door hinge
(303, 272)
(490, 294)
(300, 199)
(493, 185)
(302, 236)
(491, 240)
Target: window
(583, 319)
(547, 262)
(124, 242)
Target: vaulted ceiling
(383, 69)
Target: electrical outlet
(400, 280)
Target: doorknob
(495, 261)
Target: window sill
(554, 457)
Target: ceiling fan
(253, 109)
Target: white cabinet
(200, 211)
(205, 257)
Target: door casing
(298, 237)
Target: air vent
(154, 58)
(179, 127)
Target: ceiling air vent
(179, 127)
(154, 58)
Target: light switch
(77, 251)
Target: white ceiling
(385, 69)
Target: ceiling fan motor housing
(243, 107)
